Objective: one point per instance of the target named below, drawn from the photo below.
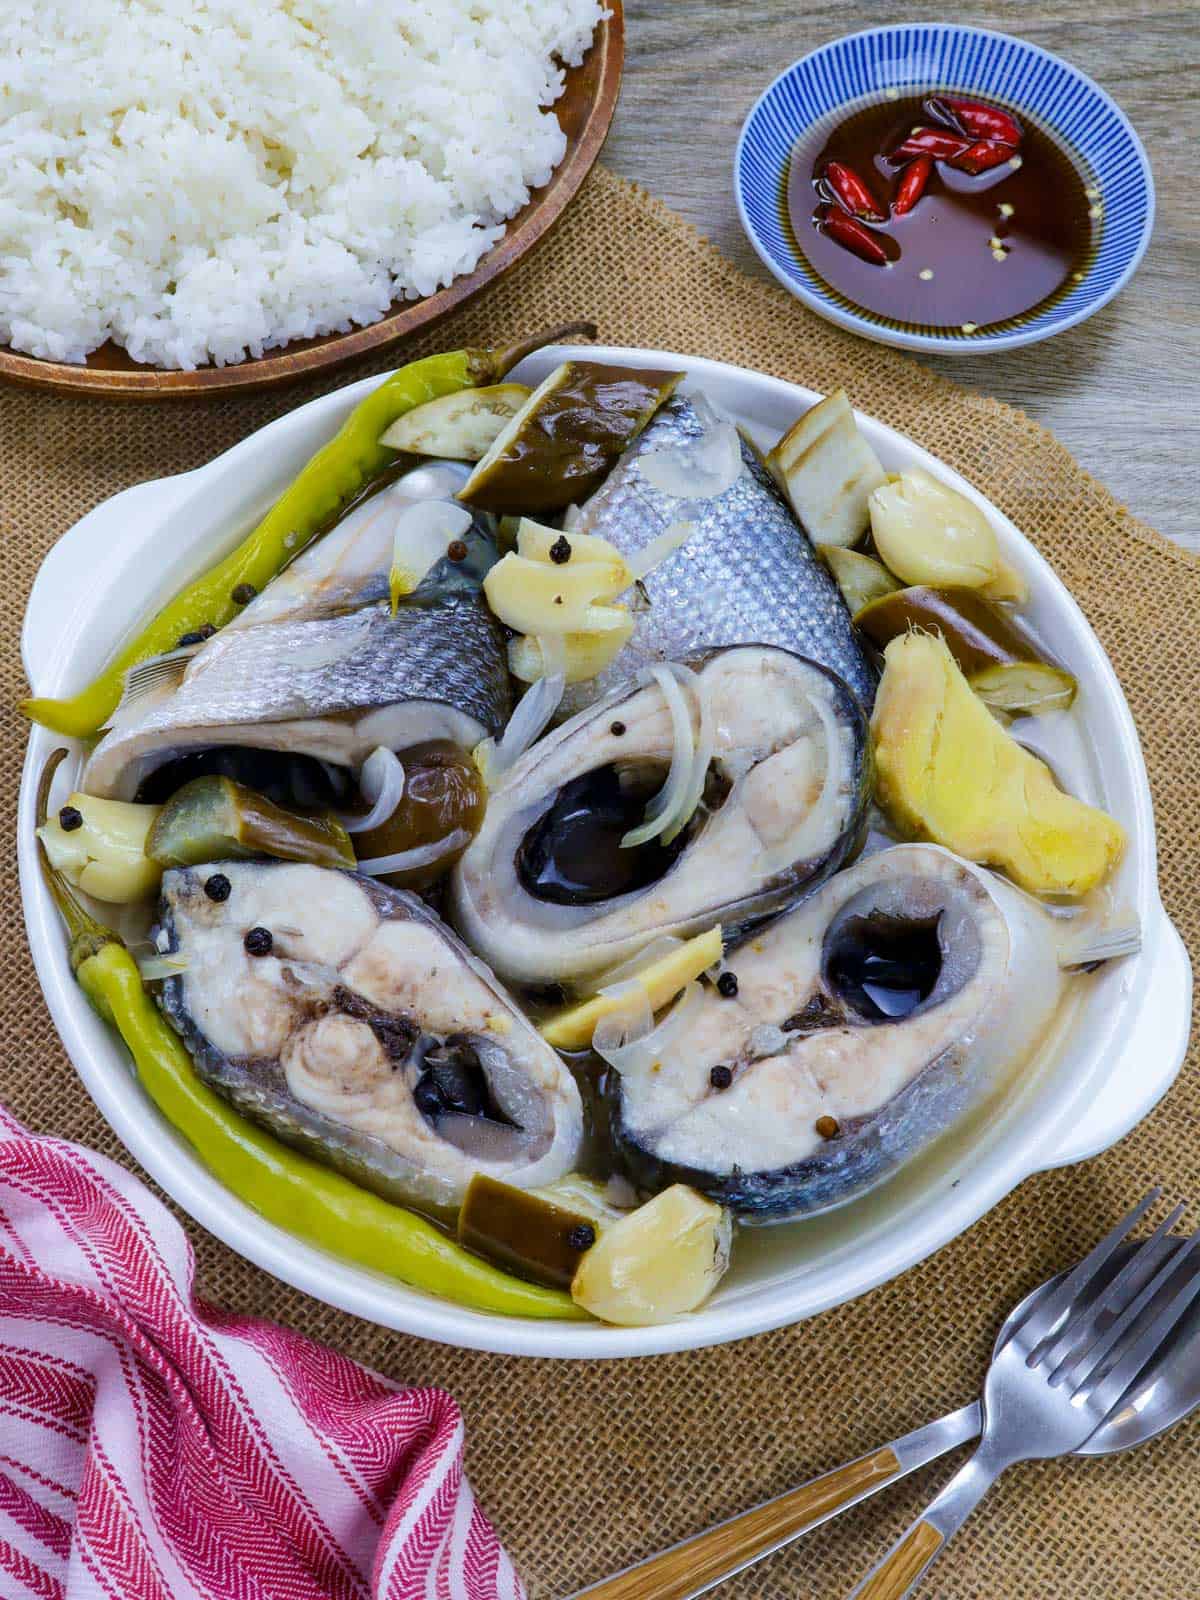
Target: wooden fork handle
(903, 1564)
(693, 1566)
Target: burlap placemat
(586, 1466)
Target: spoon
(1166, 1392)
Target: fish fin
(148, 677)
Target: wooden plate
(584, 112)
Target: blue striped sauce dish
(889, 63)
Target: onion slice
(702, 754)
(421, 855)
(657, 551)
(538, 704)
(664, 945)
(627, 1037)
(663, 808)
(154, 968)
(424, 531)
(699, 468)
(382, 783)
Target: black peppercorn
(218, 887)
(560, 550)
(186, 639)
(582, 1236)
(258, 942)
(70, 818)
(617, 729)
(721, 1077)
(727, 985)
(456, 550)
(243, 593)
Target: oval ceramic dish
(1121, 1050)
(584, 111)
(882, 63)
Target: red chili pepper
(930, 142)
(983, 122)
(851, 235)
(982, 155)
(850, 191)
(912, 185)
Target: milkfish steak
(862, 1026)
(546, 891)
(317, 667)
(346, 1018)
(746, 571)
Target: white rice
(201, 180)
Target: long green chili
(325, 485)
(287, 1188)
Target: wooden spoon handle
(691, 1567)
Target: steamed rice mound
(201, 180)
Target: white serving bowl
(1115, 1055)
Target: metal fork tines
(1065, 1367)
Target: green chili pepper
(288, 1189)
(330, 480)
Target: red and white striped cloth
(153, 1448)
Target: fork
(1064, 1369)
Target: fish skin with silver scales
(748, 573)
(318, 665)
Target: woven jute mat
(586, 1466)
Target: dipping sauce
(975, 250)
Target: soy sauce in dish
(975, 250)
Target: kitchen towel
(153, 1447)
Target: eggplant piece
(458, 427)
(978, 634)
(444, 796)
(865, 1023)
(523, 1232)
(861, 578)
(216, 819)
(1024, 688)
(828, 472)
(562, 442)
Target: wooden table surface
(1122, 391)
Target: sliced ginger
(946, 771)
(662, 980)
